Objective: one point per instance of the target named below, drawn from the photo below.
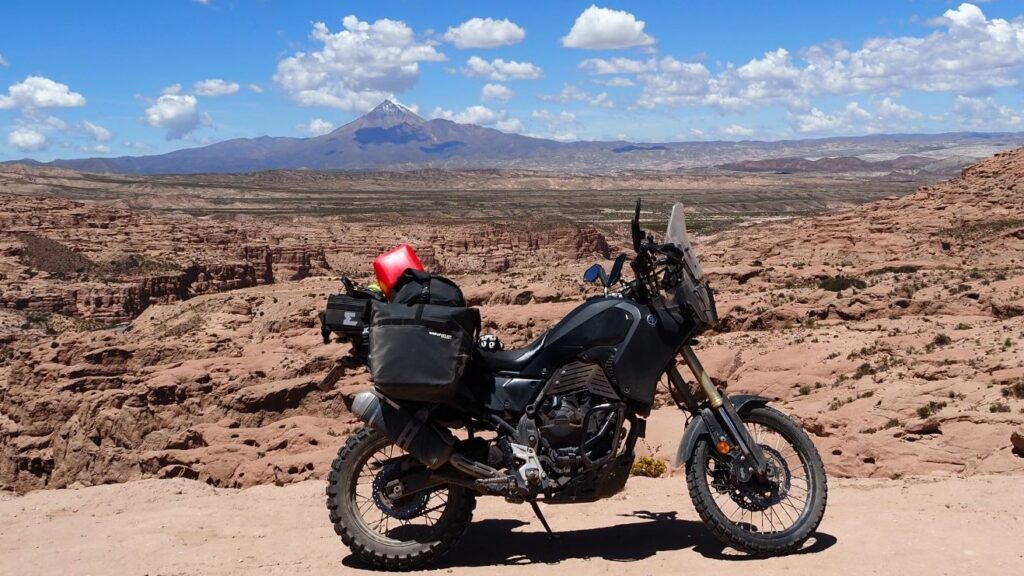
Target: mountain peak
(388, 113)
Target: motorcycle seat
(511, 360)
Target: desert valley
(144, 343)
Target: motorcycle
(558, 421)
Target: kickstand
(543, 521)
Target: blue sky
(124, 78)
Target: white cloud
(95, 131)
(96, 149)
(501, 70)
(602, 28)
(203, 2)
(317, 127)
(481, 116)
(736, 131)
(615, 82)
(256, 88)
(510, 125)
(215, 87)
(572, 93)
(485, 33)
(986, 114)
(969, 53)
(177, 113)
(892, 111)
(498, 92)
(39, 92)
(172, 89)
(617, 65)
(27, 139)
(3, 62)
(357, 67)
(838, 122)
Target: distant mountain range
(392, 137)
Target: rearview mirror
(595, 273)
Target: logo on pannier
(440, 335)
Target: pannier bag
(419, 287)
(344, 315)
(347, 314)
(419, 352)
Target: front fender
(701, 426)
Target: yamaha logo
(652, 319)
(441, 335)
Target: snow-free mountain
(392, 137)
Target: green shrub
(648, 466)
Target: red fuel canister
(390, 265)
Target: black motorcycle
(557, 421)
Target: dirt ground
(912, 526)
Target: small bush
(930, 408)
(998, 407)
(840, 283)
(804, 390)
(941, 340)
(1015, 390)
(648, 466)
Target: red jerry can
(390, 265)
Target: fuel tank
(632, 342)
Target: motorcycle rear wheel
(387, 534)
(770, 519)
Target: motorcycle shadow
(494, 542)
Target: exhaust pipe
(428, 443)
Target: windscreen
(676, 234)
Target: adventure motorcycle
(557, 422)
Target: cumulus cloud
(317, 127)
(616, 66)
(615, 82)
(969, 53)
(481, 116)
(215, 87)
(556, 125)
(572, 93)
(177, 113)
(356, 67)
(736, 131)
(985, 114)
(501, 70)
(485, 33)
(498, 92)
(95, 131)
(27, 139)
(837, 122)
(602, 28)
(39, 92)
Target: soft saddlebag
(347, 315)
(419, 352)
(419, 287)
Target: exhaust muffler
(428, 443)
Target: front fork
(723, 410)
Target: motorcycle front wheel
(384, 532)
(762, 517)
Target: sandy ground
(921, 526)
